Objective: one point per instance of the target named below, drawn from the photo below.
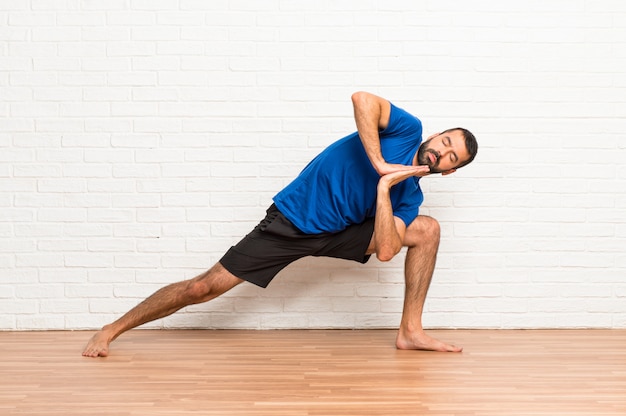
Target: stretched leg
(422, 239)
(164, 302)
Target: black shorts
(276, 242)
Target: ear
(448, 172)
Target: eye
(448, 142)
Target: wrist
(379, 165)
(384, 186)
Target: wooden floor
(334, 372)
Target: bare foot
(98, 345)
(421, 341)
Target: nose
(444, 151)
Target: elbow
(358, 97)
(386, 254)
(383, 257)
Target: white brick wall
(139, 139)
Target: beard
(423, 158)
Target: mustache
(423, 159)
(434, 153)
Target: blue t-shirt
(338, 187)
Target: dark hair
(470, 143)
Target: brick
(162, 245)
(58, 94)
(61, 185)
(38, 260)
(283, 320)
(132, 79)
(88, 291)
(91, 170)
(90, 260)
(97, 215)
(355, 305)
(61, 215)
(61, 245)
(235, 321)
(40, 322)
(34, 109)
(157, 33)
(140, 139)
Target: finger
(402, 175)
(404, 168)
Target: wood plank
(315, 372)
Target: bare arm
(389, 230)
(371, 114)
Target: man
(360, 196)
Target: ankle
(410, 328)
(109, 332)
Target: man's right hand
(385, 168)
(401, 172)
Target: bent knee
(422, 229)
(429, 225)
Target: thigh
(269, 248)
(353, 243)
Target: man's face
(444, 152)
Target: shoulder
(401, 121)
